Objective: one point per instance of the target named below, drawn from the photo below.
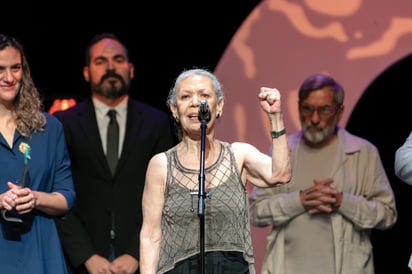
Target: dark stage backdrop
(277, 43)
(164, 38)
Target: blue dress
(36, 248)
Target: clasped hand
(22, 199)
(321, 197)
(124, 264)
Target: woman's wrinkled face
(191, 91)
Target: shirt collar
(102, 109)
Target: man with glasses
(321, 220)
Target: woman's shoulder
(242, 146)
(50, 118)
(241, 149)
(52, 121)
(157, 165)
(159, 159)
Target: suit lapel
(133, 127)
(88, 126)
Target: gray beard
(318, 137)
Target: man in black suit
(101, 234)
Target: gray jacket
(403, 161)
(368, 203)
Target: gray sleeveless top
(226, 215)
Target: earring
(218, 116)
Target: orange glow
(62, 104)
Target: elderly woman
(170, 241)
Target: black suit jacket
(103, 198)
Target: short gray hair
(217, 86)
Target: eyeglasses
(323, 111)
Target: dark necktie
(112, 141)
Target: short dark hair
(319, 81)
(99, 37)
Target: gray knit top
(226, 215)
